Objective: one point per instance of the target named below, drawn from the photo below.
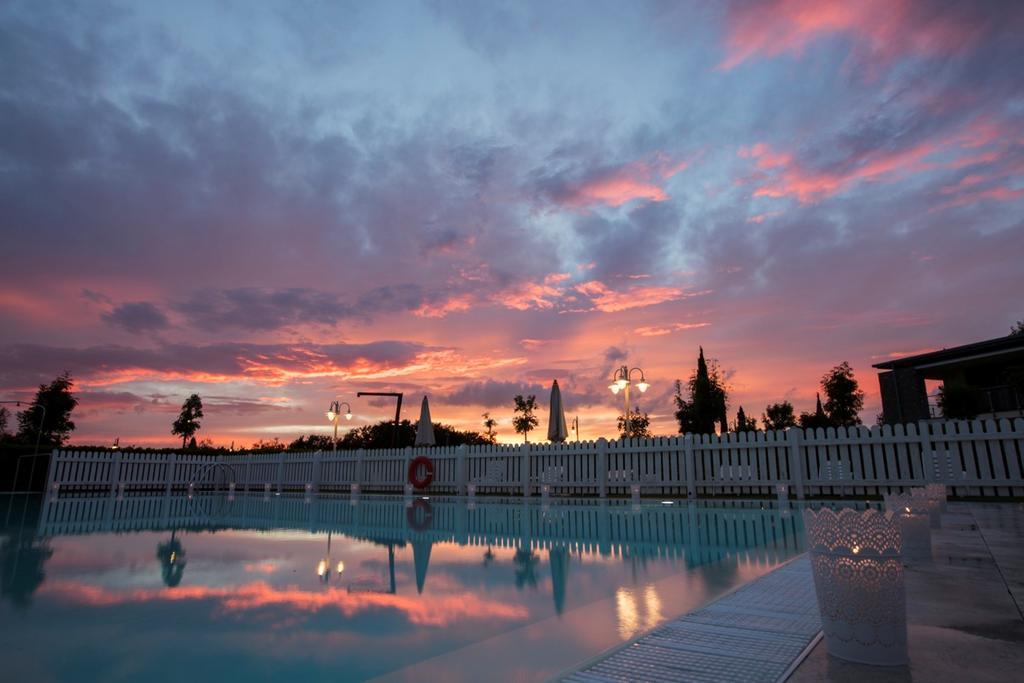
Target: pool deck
(965, 617)
(965, 608)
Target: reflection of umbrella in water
(559, 560)
(421, 558)
(425, 428)
(557, 431)
(172, 561)
(525, 562)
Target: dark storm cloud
(491, 393)
(137, 317)
(29, 364)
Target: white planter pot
(858, 578)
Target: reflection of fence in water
(698, 532)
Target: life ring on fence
(415, 523)
(414, 466)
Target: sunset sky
(275, 205)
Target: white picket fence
(978, 458)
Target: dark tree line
(701, 404)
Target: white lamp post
(622, 381)
(334, 414)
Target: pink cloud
(460, 302)
(781, 174)
(607, 300)
(639, 180)
(424, 610)
(881, 29)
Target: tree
(707, 403)
(268, 446)
(187, 423)
(5, 416)
(1017, 329)
(844, 399)
(743, 423)
(379, 435)
(817, 419)
(313, 442)
(524, 420)
(638, 426)
(48, 419)
(779, 416)
(489, 423)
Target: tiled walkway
(753, 634)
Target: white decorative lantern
(858, 578)
(914, 514)
(937, 492)
(927, 499)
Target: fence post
(280, 472)
(796, 465)
(602, 467)
(169, 473)
(460, 470)
(360, 473)
(928, 459)
(317, 466)
(689, 471)
(403, 476)
(115, 472)
(525, 474)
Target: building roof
(989, 347)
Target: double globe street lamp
(622, 380)
(334, 414)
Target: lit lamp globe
(642, 386)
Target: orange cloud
(661, 330)
(424, 610)
(884, 29)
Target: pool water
(328, 588)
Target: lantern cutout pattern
(858, 578)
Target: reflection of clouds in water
(421, 610)
(637, 612)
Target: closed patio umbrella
(557, 431)
(425, 428)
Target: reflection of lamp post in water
(621, 381)
(172, 561)
(323, 568)
(35, 454)
(334, 413)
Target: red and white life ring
(414, 467)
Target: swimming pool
(217, 587)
